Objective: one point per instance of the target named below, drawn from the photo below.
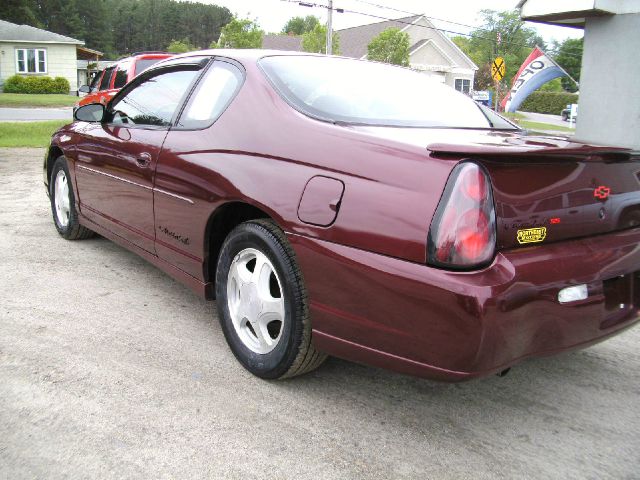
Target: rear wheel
(262, 302)
(65, 216)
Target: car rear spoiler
(531, 151)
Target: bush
(61, 85)
(28, 84)
(548, 102)
(13, 84)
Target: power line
(401, 21)
(344, 10)
(416, 14)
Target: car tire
(63, 207)
(262, 302)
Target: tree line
(121, 27)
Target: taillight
(463, 229)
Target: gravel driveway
(110, 369)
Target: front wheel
(262, 302)
(65, 216)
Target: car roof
(247, 54)
(145, 55)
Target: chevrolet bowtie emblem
(602, 192)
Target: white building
(30, 51)
(430, 50)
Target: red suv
(107, 82)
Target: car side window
(106, 79)
(95, 80)
(154, 101)
(121, 76)
(213, 95)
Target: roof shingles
(282, 42)
(24, 33)
(355, 40)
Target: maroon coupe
(350, 208)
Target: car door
(116, 159)
(181, 205)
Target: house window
(463, 85)
(31, 60)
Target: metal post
(330, 28)
(497, 84)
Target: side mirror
(84, 89)
(94, 112)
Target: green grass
(544, 126)
(513, 116)
(36, 100)
(519, 119)
(28, 134)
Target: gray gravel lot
(110, 369)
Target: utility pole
(330, 28)
(498, 41)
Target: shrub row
(28, 84)
(548, 102)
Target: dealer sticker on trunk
(532, 235)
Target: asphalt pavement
(35, 114)
(110, 369)
(546, 118)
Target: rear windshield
(360, 92)
(142, 65)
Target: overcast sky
(273, 14)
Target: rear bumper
(453, 326)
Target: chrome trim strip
(114, 177)
(185, 199)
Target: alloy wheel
(62, 204)
(256, 300)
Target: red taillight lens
(463, 233)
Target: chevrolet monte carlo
(341, 207)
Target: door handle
(143, 159)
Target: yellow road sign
(498, 69)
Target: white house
(27, 50)
(431, 51)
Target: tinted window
(553, 203)
(214, 93)
(353, 91)
(581, 197)
(142, 65)
(154, 101)
(121, 77)
(95, 80)
(106, 79)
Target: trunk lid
(549, 189)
